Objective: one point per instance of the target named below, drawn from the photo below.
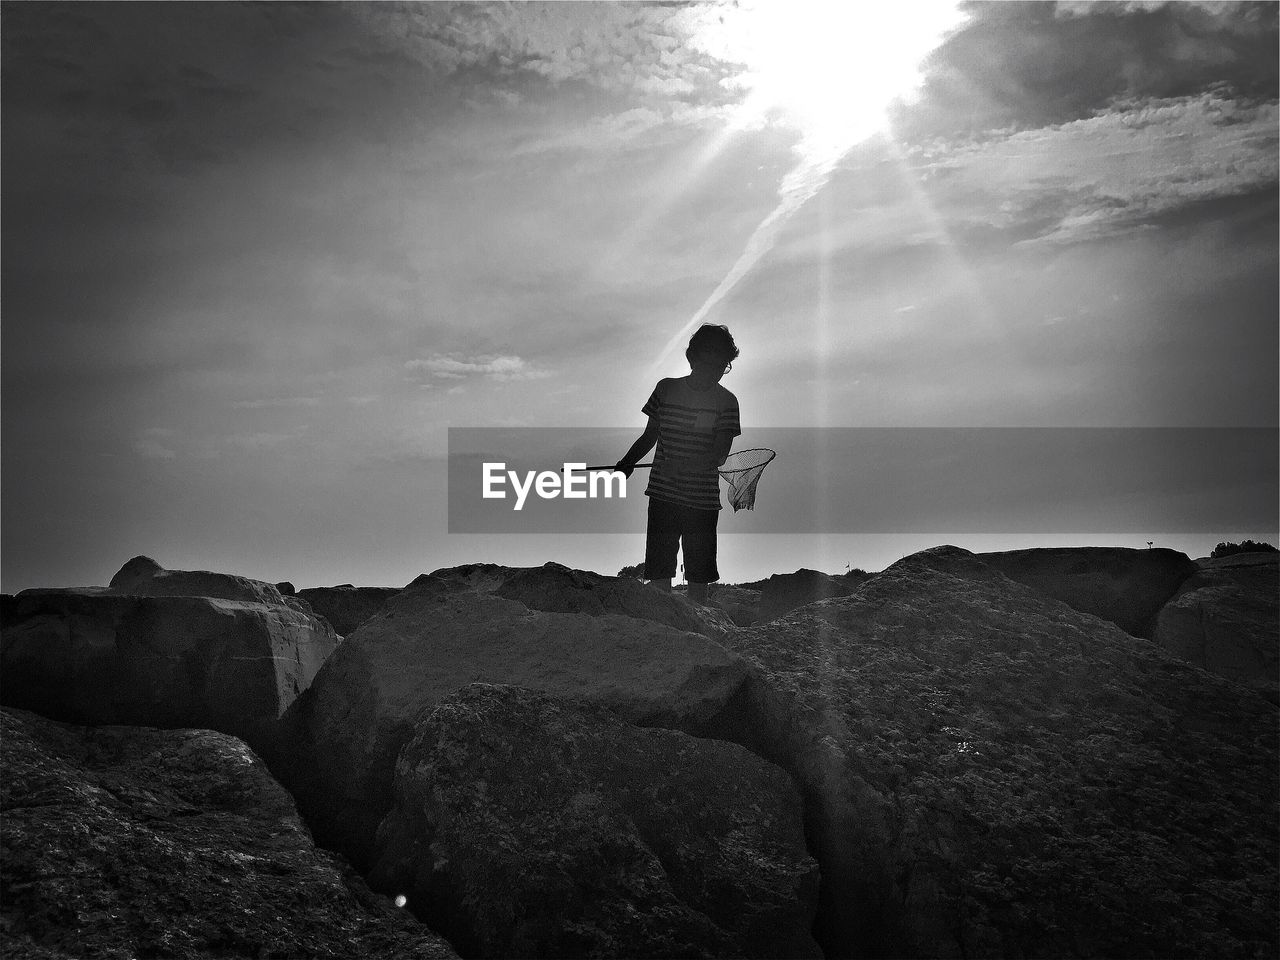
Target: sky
(258, 259)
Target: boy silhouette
(693, 421)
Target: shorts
(669, 525)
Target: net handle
(772, 454)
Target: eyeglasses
(713, 360)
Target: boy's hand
(626, 469)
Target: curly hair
(713, 338)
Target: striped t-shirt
(688, 421)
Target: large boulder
(1120, 584)
(784, 592)
(1263, 562)
(529, 826)
(469, 577)
(132, 842)
(342, 736)
(88, 655)
(555, 588)
(143, 577)
(989, 772)
(1226, 619)
(347, 606)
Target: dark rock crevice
(856, 916)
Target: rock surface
(346, 607)
(984, 769)
(554, 588)
(342, 736)
(1240, 561)
(469, 577)
(740, 605)
(989, 772)
(129, 842)
(528, 826)
(143, 577)
(784, 592)
(1126, 586)
(90, 656)
(1226, 619)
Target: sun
(827, 68)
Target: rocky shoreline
(1067, 753)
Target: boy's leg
(700, 551)
(662, 541)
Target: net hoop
(741, 471)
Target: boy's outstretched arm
(638, 449)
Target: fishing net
(741, 471)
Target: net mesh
(741, 471)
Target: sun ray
(980, 304)
(665, 200)
(802, 60)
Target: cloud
(163, 443)
(276, 402)
(439, 367)
(1027, 65)
(1137, 166)
(599, 133)
(1119, 171)
(257, 441)
(155, 444)
(1066, 9)
(1130, 168)
(620, 48)
(176, 90)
